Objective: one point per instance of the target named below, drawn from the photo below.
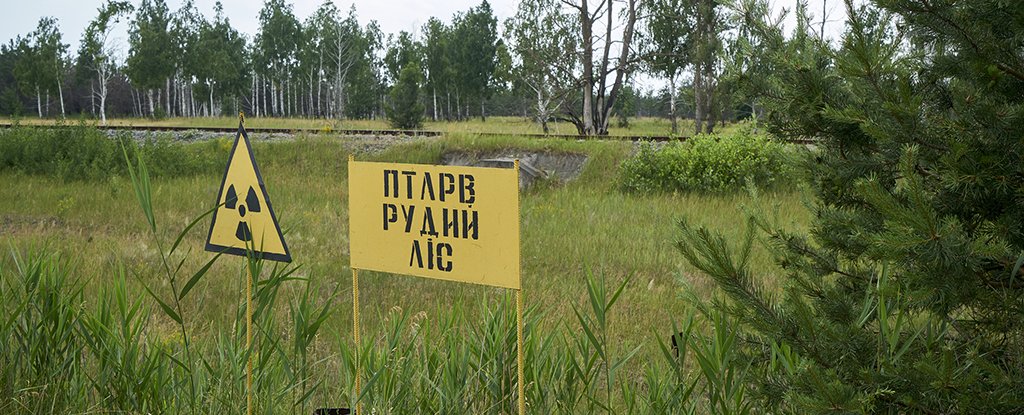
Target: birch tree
(475, 54)
(150, 60)
(343, 43)
(670, 28)
(42, 63)
(705, 53)
(363, 86)
(224, 60)
(277, 42)
(98, 52)
(316, 33)
(402, 50)
(437, 63)
(541, 33)
(191, 60)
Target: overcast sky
(21, 16)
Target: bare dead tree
(598, 95)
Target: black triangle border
(287, 257)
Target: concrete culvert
(562, 167)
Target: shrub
(713, 163)
(406, 111)
(85, 153)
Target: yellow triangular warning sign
(245, 217)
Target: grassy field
(644, 126)
(587, 226)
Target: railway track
(377, 132)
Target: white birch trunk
(167, 107)
(212, 112)
(135, 105)
(273, 98)
(672, 103)
(103, 100)
(319, 85)
(60, 93)
(253, 108)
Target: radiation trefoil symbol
(244, 221)
(251, 204)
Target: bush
(85, 153)
(406, 111)
(714, 163)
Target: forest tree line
(554, 60)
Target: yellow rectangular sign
(446, 222)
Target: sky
(20, 17)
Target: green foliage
(222, 49)
(61, 354)
(151, 55)
(625, 106)
(710, 163)
(540, 34)
(406, 110)
(85, 153)
(277, 42)
(906, 296)
(430, 363)
(41, 349)
(437, 55)
(474, 50)
(402, 52)
(91, 53)
(39, 68)
(363, 83)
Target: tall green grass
(61, 356)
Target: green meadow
(577, 237)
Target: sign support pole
(355, 325)
(355, 334)
(248, 318)
(521, 359)
(519, 349)
(248, 336)
(257, 237)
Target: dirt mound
(562, 167)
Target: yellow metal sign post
(244, 224)
(445, 222)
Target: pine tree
(406, 110)
(907, 296)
